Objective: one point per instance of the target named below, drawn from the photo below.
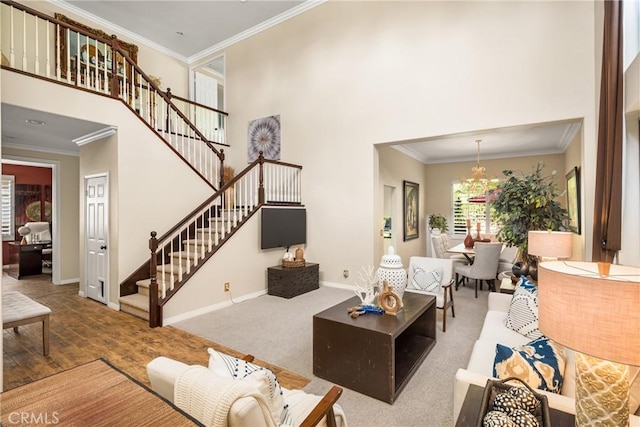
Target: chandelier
(477, 185)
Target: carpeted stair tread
(136, 300)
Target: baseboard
(210, 308)
(68, 281)
(338, 285)
(81, 293)
(113, 306)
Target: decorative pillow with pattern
(522, 316)
(231, 367)
(539, 363)
(426, 280)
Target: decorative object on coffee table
(367, 288)
(389, 301)
(392, 271)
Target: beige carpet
(280, 330)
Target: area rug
(93, 394)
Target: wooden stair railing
(180, 252)
(48, 48)
(209, 120)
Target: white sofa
(480, 366)
(245, 411)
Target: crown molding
(411, 153)
(295, 11)
(568, 135)
(117, 29)
(95, 136)
(41, 149)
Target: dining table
(462, 249)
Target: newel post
(261, 183)
(153, 287)
(221, 157)
(115, 86)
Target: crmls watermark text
(33, 418)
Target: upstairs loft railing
(210, 121)
(180, 252)
(38, 45)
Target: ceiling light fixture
(35, 122)
(478, 184)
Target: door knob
(103, 247)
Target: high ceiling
(207, 26)
(188, 28)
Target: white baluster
(12, 56)
(36, 65)
(24, 41)
(48, 62)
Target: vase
(392, 272)
(468, 241)
(520, 269)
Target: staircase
(179, 253)
(137, 304)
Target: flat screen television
(283, 227)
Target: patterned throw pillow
(426, 280)
(539, 363)
(231, 367)
(522, 316)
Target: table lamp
(24, 231)
(597, 314)
(548, 245)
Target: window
(478, 211)
(7, 193)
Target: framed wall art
(410, 210)
(264, 135)
(573, 199)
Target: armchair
(242, 409)
(423, 278)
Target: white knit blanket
(208, 397)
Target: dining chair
(433, 276)
(440, 243)
(484, 267)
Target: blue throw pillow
(522, 316)
(539, 363)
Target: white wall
(154, 188)
(358, 74)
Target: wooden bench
(19, 310)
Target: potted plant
(526, 202)
(438, 222)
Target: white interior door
(96, 238)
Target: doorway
(389, 234)
(51, 212)
(96, 237)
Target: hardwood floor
(82, 330)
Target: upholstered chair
(40, 232)
(433, 276)
(484, 267)
(507, 258)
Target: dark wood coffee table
(374, 354)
